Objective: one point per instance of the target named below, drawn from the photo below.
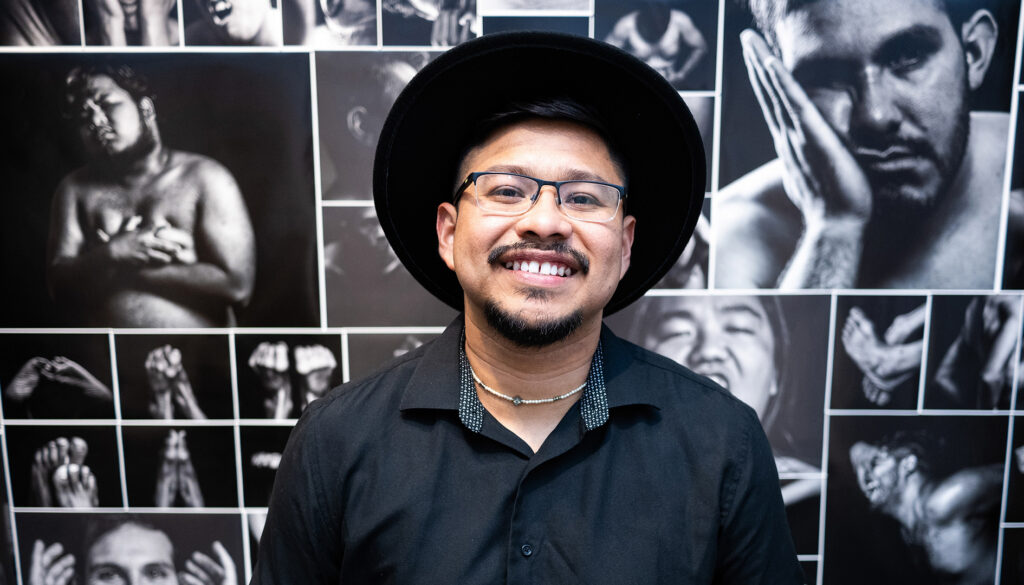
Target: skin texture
(247, 22)
(467, 237)
(681, 37)
(131, 555)
(954, 519)
(728, 339)
(150, 18)
(59, 476)
(887, 361)
(144, 236)
(870, 160)
(171, 389)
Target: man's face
(131, 555)
(890, 78)
(109, 121)
(878, 473)
(728, 339)
(484, 248)
(236, 21)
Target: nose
(96, 116)
(875, 111)
(708, 347)
(545, 220)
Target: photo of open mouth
(220, 10)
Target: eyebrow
(740, 308)
(567, 174)
(919, 34)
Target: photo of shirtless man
(886, 174)
(143, 235)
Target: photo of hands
(279, 376)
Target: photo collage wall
(856, 276)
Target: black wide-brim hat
(438, 112)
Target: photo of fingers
(855, 277)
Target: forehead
(827, 28)
(547, 148)
(101, 84)
(718, 306)
(130, 543)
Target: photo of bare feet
(64, 467)
(878, 351)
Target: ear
(978, 35)
(147, 108)
(908, 464)
(356, 119)
(628, 226)
(447, 215)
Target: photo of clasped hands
(152, 22)
(60, 370)
(137, 244)
(314, 364)
(171, 391)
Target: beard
(535, 335)
(897, 203)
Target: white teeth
(568, 271)
(561, 271)
(545, 268)
(534, 267)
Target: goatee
(524, 334)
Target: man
(129, 551)
(955, 519)
(143, 235)
(528, 443)
(235, 22)
(885, 178)
(663, 37)
(131, 22)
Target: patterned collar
(593, 404)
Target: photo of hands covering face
(278, 377)
(121, 548)
(56, 376)
(131, 22)
(64, 467)
(181, 377)
(878, 352)
(178, 467)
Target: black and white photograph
(972, 351)
(1013, 557)
(329, 23)
(691, 269)
(40, 23)
(878, 352)
(7, 565)
(429, 23)
(369, 351)
(746, 344)
(240, 23)
(501, 6)
(1015, 484)
(49, 375)
(913, 499)
(225, 233)
(180, 467)
(572, 25)
(115, 546)
(121, 23)
(254, 523)
(355, 91)
(261, 448)
(164, 377)
(279, 375)
(366, 283)
(1013, 257)
(874, 144)
(64, 467)
(677, 38)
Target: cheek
(835, 106)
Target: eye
(581, 199)
(506, 192)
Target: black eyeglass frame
(471, 180)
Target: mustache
(556, 247)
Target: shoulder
(990, 132)
(200, 167)
(756, 228)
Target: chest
(604, 511)
(115, 208)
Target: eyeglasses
(514, 194)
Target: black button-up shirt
(382, 482)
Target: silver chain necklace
(518, 400)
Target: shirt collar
(440, 383)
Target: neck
(907, 510)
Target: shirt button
(526, 549)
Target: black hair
(768, 13)
(920, 444)
(124, 76)
(563, 109)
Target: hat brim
(438, 111)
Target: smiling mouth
(220, 10)
(715, 376)
(534, 267)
